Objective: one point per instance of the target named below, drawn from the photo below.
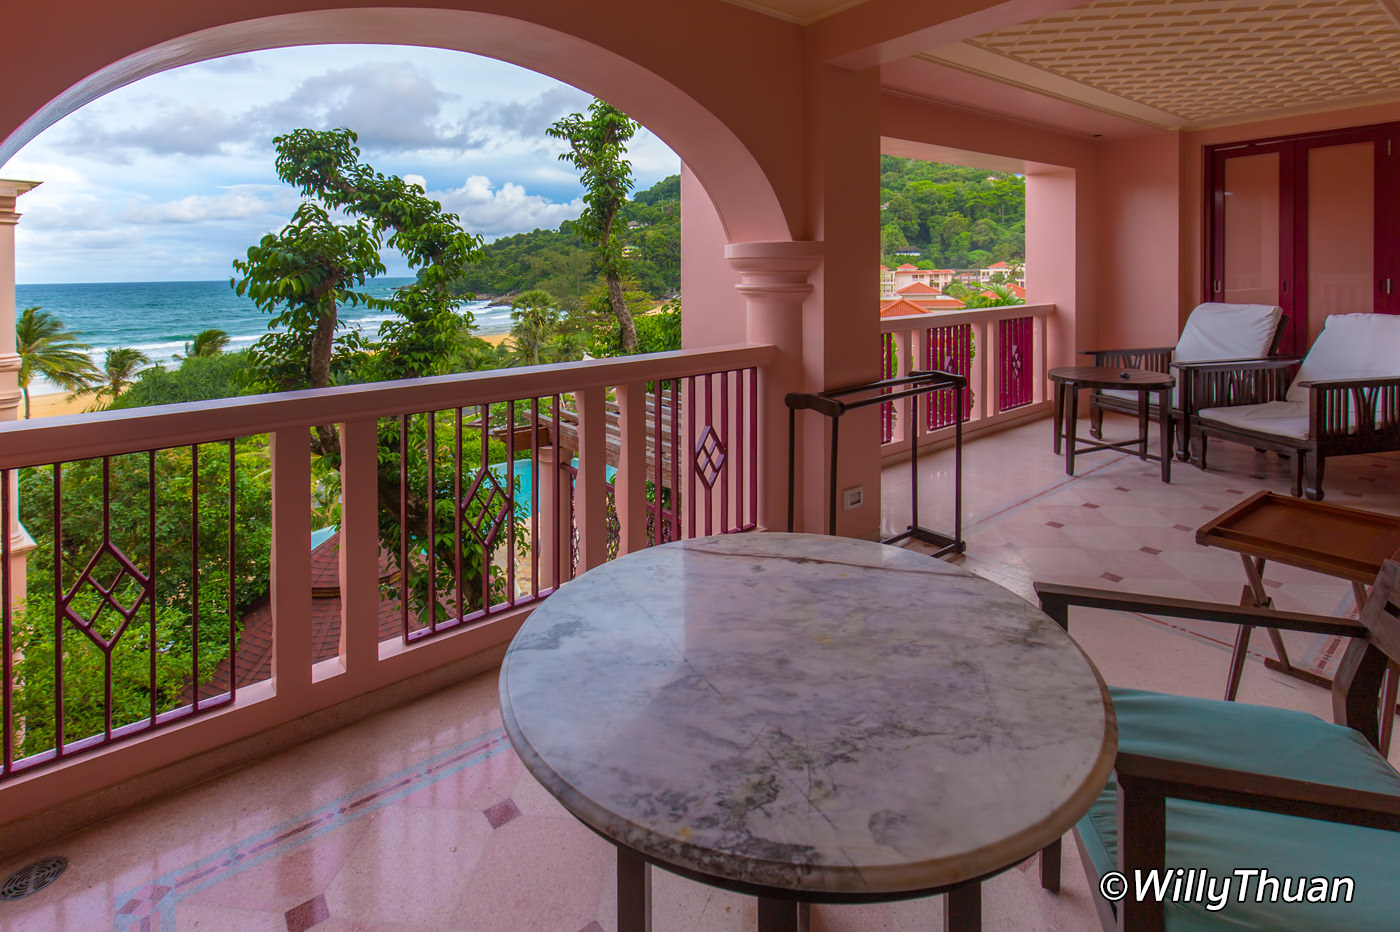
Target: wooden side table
(1348, 543)
(1069, 379)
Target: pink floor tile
(537, 873)
(407, 864)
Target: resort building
(1174, 153)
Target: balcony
(420, 817)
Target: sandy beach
(58, 403)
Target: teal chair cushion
(1218, 840)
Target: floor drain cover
(33, 877)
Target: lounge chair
(1344, 398)
(1213, 332)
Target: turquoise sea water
(158, 318)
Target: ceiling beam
(880, 31)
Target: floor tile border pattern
(157, 900)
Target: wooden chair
(1215, 787)
(1343, 398)
(1213, 332)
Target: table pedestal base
(962, 904)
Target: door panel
(1341, 235)
(1251, 230)
(1311, 223)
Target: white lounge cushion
(1280, 418)
(1351, 346)
(1227, 331)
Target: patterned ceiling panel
(1205, 60)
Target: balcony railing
(1001, 351)
(196, 565)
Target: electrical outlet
(853, 497)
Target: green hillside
(957, 217)
(562, 264)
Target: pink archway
(742, 190)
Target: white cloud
(238, 203)
(493, 211)
(173, 176)
(391, 105)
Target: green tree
(304, 274)
(47, 348)
(534, 317)
(992, 295)
(597, 148)
(209, 342)
(198, 378)
(179, 539)
(120, 366)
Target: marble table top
(808, 713)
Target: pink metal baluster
(457, 506)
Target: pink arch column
(10, 396)
(775, 280)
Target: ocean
(158, 318)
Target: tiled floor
(423, 819)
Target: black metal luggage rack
(837, 402)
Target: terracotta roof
(253, 661)
(918, 288)
(906, 267)
(901, 308)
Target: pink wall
(712, 310)
(1140, 242)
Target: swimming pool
(524, 477)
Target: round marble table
(806, 718)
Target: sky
(171, 178)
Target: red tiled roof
(906, 267)
(918, 288)
(253, 661)
(901, 308)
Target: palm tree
(119, 368)
(534, 316)
(49, 349)
(209, 342)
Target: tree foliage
(209, 342)
(598, 149)
(957, 217)
(120, 365)
(197, 378)
(49, 349)
(560, 262)
(315, 265)
(183, 551)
